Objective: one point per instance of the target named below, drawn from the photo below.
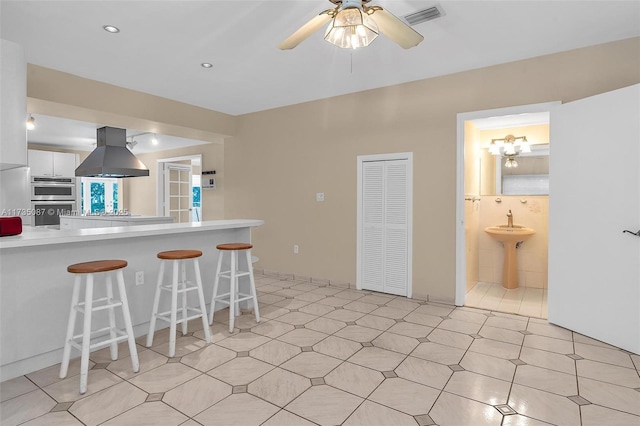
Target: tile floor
(328, 356)
(527, 301)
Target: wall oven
(50, 198)
(53, 189)
(47, 213)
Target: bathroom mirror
(530, 177)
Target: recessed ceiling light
(111, 29)
(206, 65)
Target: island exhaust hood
(112, 158)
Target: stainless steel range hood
(112, 158)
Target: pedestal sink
(509, 237)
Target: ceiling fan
(353, 24)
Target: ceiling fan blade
(394, 28)
(307, 29)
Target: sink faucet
(509, 219)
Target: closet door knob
(637, 234)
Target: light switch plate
(319, 196)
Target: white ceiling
(162, 43)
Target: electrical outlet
(319, 196)
(139, 277)
(296, 249)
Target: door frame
(387, 157)
(168, 167)
(160, 177)
(461, 242)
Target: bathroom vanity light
(506, 147)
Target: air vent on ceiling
(423, 15)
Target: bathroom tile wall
(532, 255)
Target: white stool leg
(133, 352)
(203, 307)
(215, 287)
(237, 281)
(112, 319)
(86, 334)
(71, 325)
(183, 286)
(156, 301)
(252, 285)
(174, 311)
(232, 291)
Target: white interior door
(178, 199)
(594, 268)
(384, 225)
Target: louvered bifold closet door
(385, 226)
(373, 225)
(395, 226)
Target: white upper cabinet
(64, 164)
(13, 106)
(54, 164)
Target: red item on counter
(10, 226)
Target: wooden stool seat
(234, 246)
(233, 297)
(178, 286)
(85, 341)
(96, 266)
(179, 254)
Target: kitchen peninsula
(35, 286)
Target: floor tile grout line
(515, 372)
(387, 330)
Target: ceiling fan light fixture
(351, 28)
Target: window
(99, 195)
(197, 200)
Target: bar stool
(88, 270)
(234, 296)
(178, 258)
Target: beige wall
(280, 158)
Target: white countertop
(129, 218)
(35, 236)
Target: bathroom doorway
(503, 180)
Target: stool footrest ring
(122, 336)
(111, 303)
(227, 274)
(180, 290)
(166, 316)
